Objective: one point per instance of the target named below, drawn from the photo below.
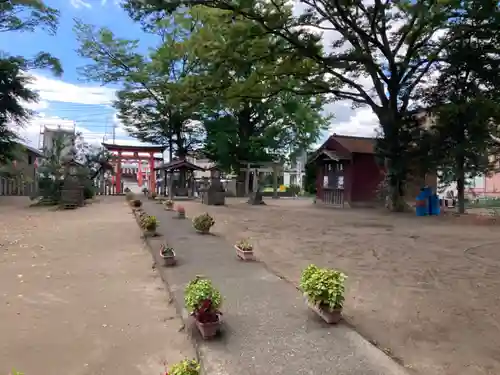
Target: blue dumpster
(435, 207)
(422, 202)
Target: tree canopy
(211, 83)
(379, 54)
(21, 16)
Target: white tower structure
(53, 128)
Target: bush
(294, 189)
(185, 367)
(149, 223)
(203, 222)
(244, 245)
(199, 290)
(88, 192)
(323, 286)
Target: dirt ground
(426, 290)
(79, 296)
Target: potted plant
(202, 300)
(324, 290)
(181, 212)
(149, 224)
(136, 203)
(244, 250)
(185, 367)
(167, 253)
(203, 223)
(169, 204)
(145, 191)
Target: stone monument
(214, 194)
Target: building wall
(49, 137)
(365, 178)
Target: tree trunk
(393, 152)
(460, 174)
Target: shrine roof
(134, 148)
(343, 146)
(179, 164)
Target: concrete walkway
(267, 327)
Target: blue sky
(66, 100)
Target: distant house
(202, 161)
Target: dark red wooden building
(347, 171)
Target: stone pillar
(275, 181)
(118, 181)
(247, 180)
(256, 179)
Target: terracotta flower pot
(169, 261)
(208, 330)
(329, 316)
(244, 255)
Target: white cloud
(80, 4)
(51, 89)
(361, 122)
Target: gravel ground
(425, 290)
(79, 296)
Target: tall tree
(21, 16)
(245, 116)
(147, 103)
(465, 106)
(393, 46)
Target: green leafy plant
(323, 286)
(203, 222)
(185, 367)
(199, 290)
(166, 251)
(244, 245)
(149, 223)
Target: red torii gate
(135, 150)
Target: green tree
(147, 102)
(465, 106)
(393, 45)
(21, 16)
(246, 118)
